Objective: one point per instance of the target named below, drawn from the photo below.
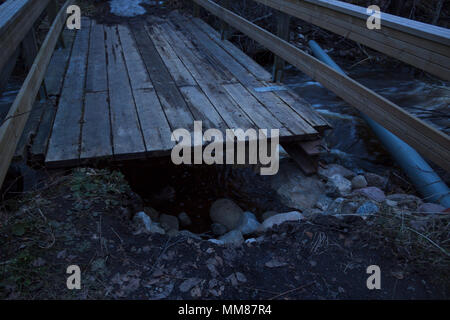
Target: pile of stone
(231, 224)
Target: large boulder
(227, 213)
(295, 189)
(218, 229)
(281, 218)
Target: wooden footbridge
(121, 90)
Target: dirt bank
(84, 219)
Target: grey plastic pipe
(424, 178)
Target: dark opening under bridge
(123, 89)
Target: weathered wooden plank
(232, 114)
(260, 116)
(96, 129)
(280, 110)
(299, 105)
(429, 141)
(257, 70)
(12, 128)
(42, 138)
(202, 109)
(304, 108)
(137, 71)
(175, 108)
(126, 129)
(179, 73)
(54, 78)
(155, 128)
(97, 79)
(30, 129)
(308, 164)
(64, 143)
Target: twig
(431, 241)
(292, 290)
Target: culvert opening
(193, 189)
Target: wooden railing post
(224, 27)
(53, 10)
(196, 9)
(279, 64)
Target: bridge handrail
(16, 20)
(419, 44)
(430, 142)
(12, 127)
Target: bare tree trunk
(438, 12)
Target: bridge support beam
(283, 21)
(225, 27)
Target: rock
(185, 220)
(281, 218)
(391, 203)
(218, 229)
(155, 228)
(218, 242)
(323, 202)
(372, 193)
(374, 180)
(232, 279)
(332, 169)
(409, 200)
(249, 224)
(169, 222)
(266, 215)
(172, 233)
(359, 182)
(241, 277)
(368, 208)
(143, 222)
(336, 206)
(186, 233)
(189, 284)
(349, 207)
(431, 208)
(295, 189)
(338, 185)
(233, 237)
(275, 263)
(227, 213)
(152, 213)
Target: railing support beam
(283, 22)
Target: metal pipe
(424, 178)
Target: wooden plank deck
(127, 87)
